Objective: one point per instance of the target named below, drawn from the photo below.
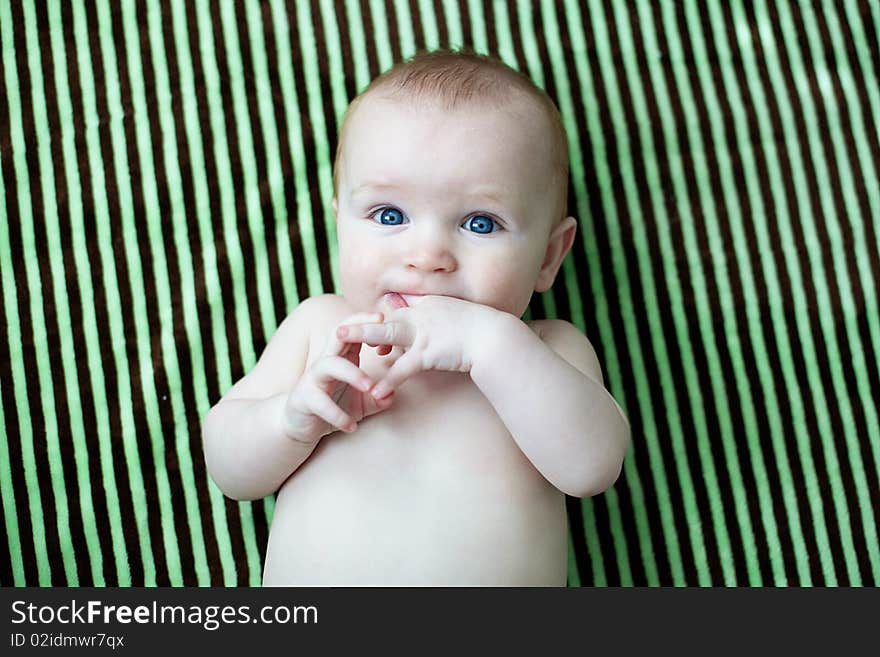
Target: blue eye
(390, 216)
(480, 224)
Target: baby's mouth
(395, 300)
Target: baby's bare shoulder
(567, 341)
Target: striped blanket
(165, 177)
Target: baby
(417, 431)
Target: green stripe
(66, 328)
(225, 187)
(560, 78)
(336, 71)
(813, 251)
(533, 69)
(869, 173)
(429, 24)
(274, 171)
(25, 208)
(138, 309)
(89, 328)
(503, 35)
(358, 45)
(691, 510)
(594, 548)
(771, 278)
(116, 328)
(276, 186)
(613, 375)
(453, 23)
(163, 294)
(250, 185)
(837, 250)
(188, 297)
(381, 38)
(702, 294)
(297, 149)
(574, 579)
(324, 159)
(406, 35)
(255, 225)
(209, 267)
(478, 26)
(46, 360)
(114, 306)
(862, 263)
(622, 286)
(11, 506)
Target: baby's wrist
(490, 329)
(294, 424)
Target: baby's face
(456, 203)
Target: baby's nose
(432, 259)
(430, 252)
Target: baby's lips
(394, 300)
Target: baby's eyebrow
(374, 186)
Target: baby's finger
(335, 347)
(406, 366)
(321, 405)
(389, 333)
(336, 368)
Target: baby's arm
(269, 422)
(545, 385)
(547, 389)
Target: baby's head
(451, 178)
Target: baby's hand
(331, 394)
(435, 333)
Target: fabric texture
(165, 185)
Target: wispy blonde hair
(456, 79)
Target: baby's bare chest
(439, 426)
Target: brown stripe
(491, 35)
(594, 194)
(18, 290)
(628, 375)
(393, 31)
(108, 369)
(442, 24)
(416, 22)
(466, 27)
(869, 28)
(560, 294)
(847, 134)
(184, 351)
(840, 334)
(781, 274)
(693, 338)
(267, 211)
(235, 165)
(793, 202)
(821, 352)
(367, 18)
(190, 204)
(345, 48)
(50, 507)
(696, 338)
(288, 173)
(559, 290)
(54, 323)
(224, 273)
(308, 135)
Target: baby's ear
(560, 243)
